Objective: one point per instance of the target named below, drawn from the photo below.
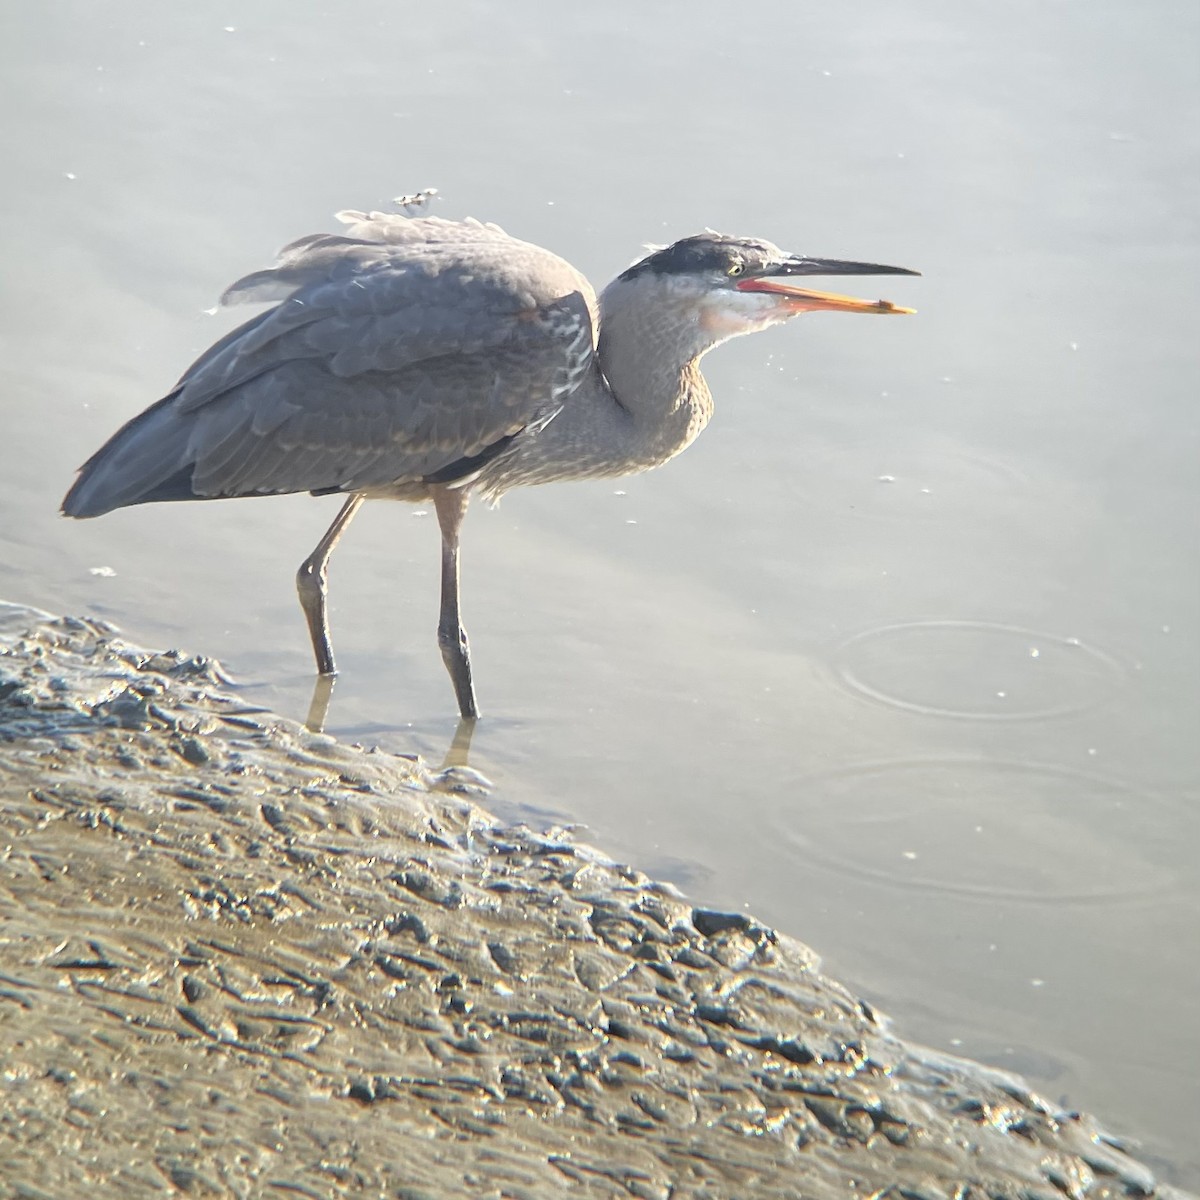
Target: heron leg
(312, 586)
(451, 505)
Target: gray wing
(396, 351)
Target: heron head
(737, 284)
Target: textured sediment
(241, 959)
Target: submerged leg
(451, 505)
(311, 584)
(318, 706)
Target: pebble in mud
(238, 961)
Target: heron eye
(736, 269)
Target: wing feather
(394, 350)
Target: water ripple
(987, 828)
(976, 670)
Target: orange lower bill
(806, 300)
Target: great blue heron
(416, 358)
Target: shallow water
(902, 653)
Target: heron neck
(601, 434)
(649, 354)
(641, 403)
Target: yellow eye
(736, 269)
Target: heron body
(421, 359)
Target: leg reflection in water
(457, 753)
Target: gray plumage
(417, 358)
(394, 351)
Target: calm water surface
(902, 654)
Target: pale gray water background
(902, 654)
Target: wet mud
(241, 959)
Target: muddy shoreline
(241, 959)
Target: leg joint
(453, 640)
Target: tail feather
(146, 459)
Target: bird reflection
(318, 706)
(459, 750)
(457, 753)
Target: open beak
(799, 299)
